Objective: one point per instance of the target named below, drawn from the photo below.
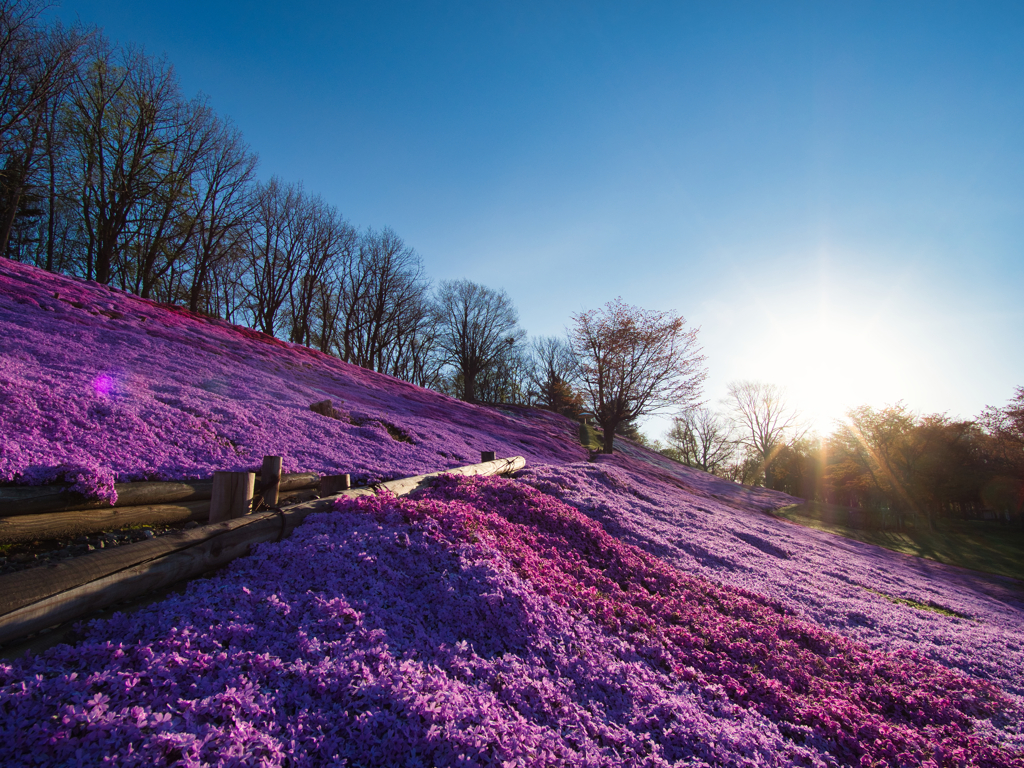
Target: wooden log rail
(33, 500)
(49, 517)
(42, 597)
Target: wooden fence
(31, 514)
(42, 597)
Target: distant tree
(702, 439)
(884, 445)
(125, 109)
(764, 421)
(222, 203)
(416, 358)
(1006, 423)
(475, 328)
(275, 247)
(797, 468)
(633, 362)
(38, 67)
(508, 379)
(164, 220)
(551, 375)
(895, 462)
(384, 302)
(1004, 430)
(327, 243)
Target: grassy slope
(590, 438)
(980, 545)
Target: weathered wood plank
(83, 522)
(41, 597)
(270, 480)
(232, 495)
(136, 580)
(331, 485)
(41, 499)
(24, 587)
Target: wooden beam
(34, 584)
(232, 495)
(137, 579)
(40, 499)
(331, 485)
(83, 522)
(41, 597)
(270, 480)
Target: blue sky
(832, 191)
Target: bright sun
(833, 344)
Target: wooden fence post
(232, 495)
(270, 480)
(487, 456)
(332, 485)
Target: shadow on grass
(981, 545)
(589, 438)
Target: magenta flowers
(482, 623)
(98, 387)
(626, 611)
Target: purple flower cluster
(628, 611)
(482, 623)
(99, 386)
(842, 585)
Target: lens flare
(103, 385)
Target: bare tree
(329, 243)
(634, 362)
(122, 114)
(228, 295)
(384, 301)
(507, 379)
(552, 373)
(702, 439)
(223, 201)
(764, 421)
(37, 70)
(165, 220)
(475, 327)
(275, 244)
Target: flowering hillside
(98, 386)
(627, 611)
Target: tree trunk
(469, 375)
(8, 221)
(609, 435)
(103, 265)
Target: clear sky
(832, 191)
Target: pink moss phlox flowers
(98, 386)
(861, 703)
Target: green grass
(914, 604)
(981, 545)
(590, 438)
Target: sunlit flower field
(623, 611)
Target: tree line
(108, 171)
(897, 466)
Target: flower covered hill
(485, 623)
(98, 386)
(627, 611)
